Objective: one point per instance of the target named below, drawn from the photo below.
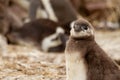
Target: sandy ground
(28, 63)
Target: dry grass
(27, 63)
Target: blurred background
(33, 34)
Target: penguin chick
(85, 60)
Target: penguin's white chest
(75, 67)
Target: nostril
(76, 28)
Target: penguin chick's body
(85, 60)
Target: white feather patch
(60, 30)
(49, 9)
(48, 43)
(75, 67)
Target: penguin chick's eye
(84, 26)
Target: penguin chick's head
(81, 28)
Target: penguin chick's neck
(84, 38)
(79, 44)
